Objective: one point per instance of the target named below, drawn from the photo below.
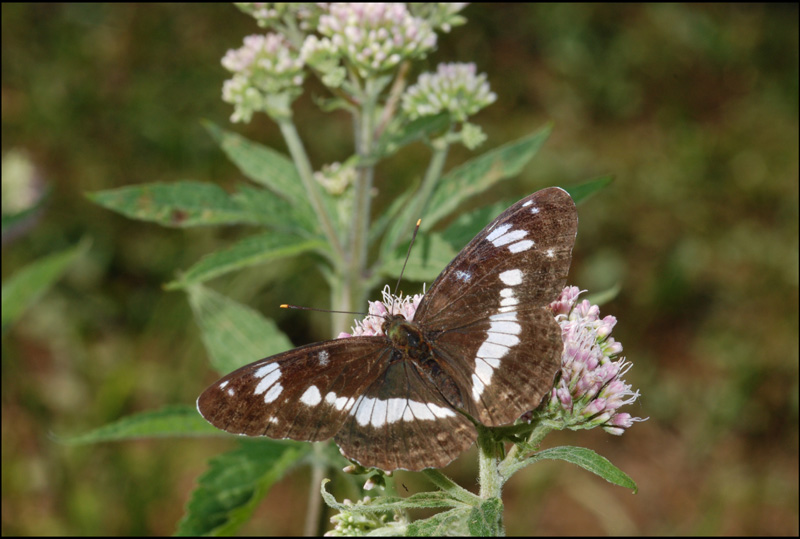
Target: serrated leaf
(381, 504)
(422, 127)
(390, 214)
(486, 520)
(261, 164)
(169, 421)
(275, 212)
(429, 256)
(588, 460)
(478, 174)
(233, 334)
(450, 523)
(229, 492)
(466, 226)
(583, 191)
(433, 251)
(248, 252)
(180, 204)
(28, 284)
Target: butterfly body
(482, 346)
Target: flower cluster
(21, 187)
(359, 522)
(454, 88)
(379, 310)
(590, 389)
(372, 37)
(336, 177)
(340, 42)
(274, 14)
(266, 66)
(441, 15)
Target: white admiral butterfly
(483, 347)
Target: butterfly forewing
(528, 247)
(487, 312)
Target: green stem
(314, 523)
(448, 485)
(353, 291)
(364, 130)
(515, 458)
(490, 454)
(301, 161)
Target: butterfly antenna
(287, 306)
(397, 286)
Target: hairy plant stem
(306, 172)
(315, 524)
(515, 459)
(490, 456)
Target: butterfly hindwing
(508, 377)
(401, 421)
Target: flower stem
(301, 161)
(490, 454)
(313, 519)
(515, 459)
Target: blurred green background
(693, 109)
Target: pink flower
(590, 389)
(379, 310)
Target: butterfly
(481, 347)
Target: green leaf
(247, 252)
(389, 215)
(467, 225)
(478, 174)
(235, 483)
(380, 504)
(447, 523)
(585, 190)
(275, 212)
(588, 460)
(396, 138)
(486, 520)
(169, 421)
(429, 256)
(28, 284)
(261, 164)
(233, 334)
(604, 296)
(433, 251)
(180, 204)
